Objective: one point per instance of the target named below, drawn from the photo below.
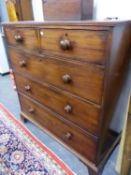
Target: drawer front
(85, 115)
(23, 37)
(75, 44)
(85, 80)
(65, 133)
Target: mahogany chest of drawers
(69, 76)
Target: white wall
(3, 11)
(37, 10)
(4, 66)
(112, 8)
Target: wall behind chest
(111, 8)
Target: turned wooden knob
(22, 63)
(68, 135)
(27, 87)
(66, 78)
(65, 44)
(68, 109)
(31, 110)
(18, 38)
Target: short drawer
(81, 45)
(85, 115)
(23, 37)
(85, 80)
(67, 134)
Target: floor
(8, 96)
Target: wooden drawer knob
(18, 38)
(31, 110)
(68, 109)
(66, 78)
(22, 63)
(68, 135)
(27, 87)
(65, 44)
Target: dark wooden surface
(24, 10)
(79, 24)
(29, 39)
(67, 10)
(87, 9)
(68, 134)
(87, 83)
(74, 73)
(58, 101)
(87, 46)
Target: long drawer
(69, 135)
(84, 45)
(85, 80)
(85, 115)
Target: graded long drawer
(85, 80)
(84, 115)
(67, 134)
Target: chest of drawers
(69, 76)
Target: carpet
(21, 153)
